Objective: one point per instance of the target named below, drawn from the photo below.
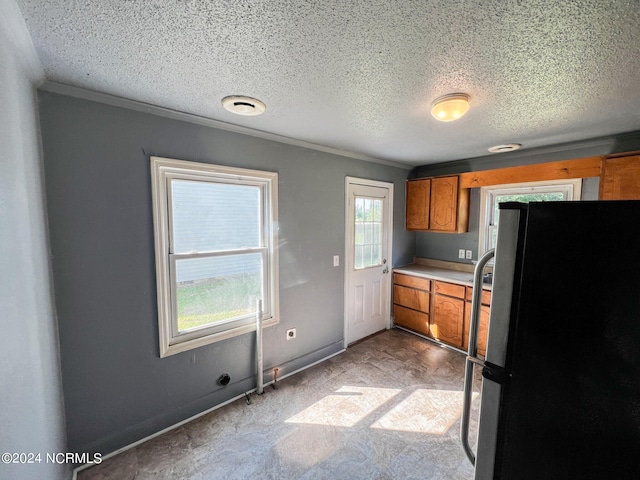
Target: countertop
(438, 273)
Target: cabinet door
(448, 320)
(418, 196)
(411, 319)
(444, 204)
(620, 179)
(483, 328)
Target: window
(215, 240)
(522, 192)
(368, 240)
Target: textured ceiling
(360, 75)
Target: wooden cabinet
(483, 327)
(620, 178)
(411, 302)
(412, 298)
(437, 205)
(447, 324)
(418, 196)
(440, 310)
(411, 319)
(444, 204)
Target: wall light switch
(336, 260)
(469, 254)
(461, 253)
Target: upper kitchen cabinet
(444, 204)
(437, 205)
(418, 195)
(620, 178)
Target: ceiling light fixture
(507, 147)
(241, 105)
(450, 107)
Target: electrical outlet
(461, 253)
(291, 334)
(469, 254)
(336, 260)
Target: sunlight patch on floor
(424, 411)
(346, 407)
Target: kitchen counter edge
(442, 274)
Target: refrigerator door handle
(472, 354)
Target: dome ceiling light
(507, 147)
(241, 105)
(450, 107)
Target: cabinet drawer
(450, 289)
(411, 281)
(410, 297)
(486, 296)
(411, 319)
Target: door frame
(348, 232)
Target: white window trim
(572, 187)
(162, 171)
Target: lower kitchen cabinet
(483, 328)
(440, 310)
(411, 319)
(411, 302)
(447, 324)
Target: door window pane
(368, 232)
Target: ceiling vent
(507, 147)
(243, 105)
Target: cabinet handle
(472, 354)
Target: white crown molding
(562, 151)
(14, 28)
(114, 101)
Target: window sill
(167, 349)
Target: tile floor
(387, 408)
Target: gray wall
(31, 410)
(445, 246)
(117, 389)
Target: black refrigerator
(560, 395)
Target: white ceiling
(360, 75)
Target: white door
(369, 207)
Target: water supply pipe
(259, 379)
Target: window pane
(211, 290)
(493, 236)
(525, 198)
(211, 216)
(368, 227)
